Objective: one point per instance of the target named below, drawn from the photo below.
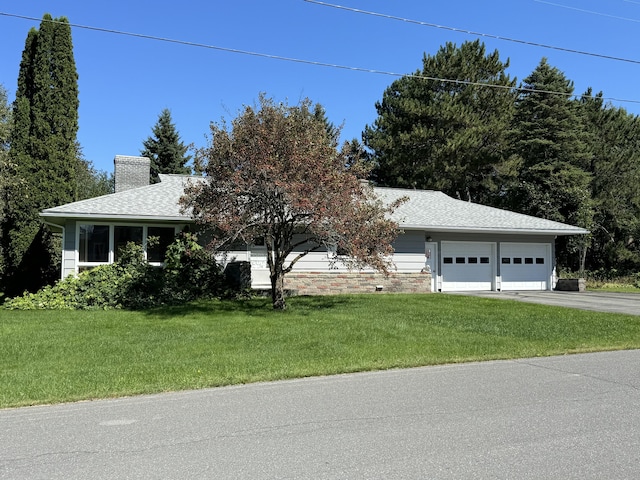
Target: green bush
(96, 288)
(190, 273)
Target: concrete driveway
(628, 303)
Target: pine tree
(446, 135)
(615, 187)
(549, 137)
(165, 149)
(42, 154)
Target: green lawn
(55, 356)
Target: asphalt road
(628, 303)
(571, 417)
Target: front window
(94, 243)
(99, 244)
(161, 237)
(124, 235)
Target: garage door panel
(467, 266)
(525, 266)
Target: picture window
(94, 243)
(103, 244)
(124, 235)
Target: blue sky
(126, 81)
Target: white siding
(69, 249)
(409, 252)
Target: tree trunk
(277, 291)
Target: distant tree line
(534, 147)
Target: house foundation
(332, 283)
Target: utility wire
(627, 19)
(478, 34)
(311, 62)
(211, 47)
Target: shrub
(190, 272)
(96, 288)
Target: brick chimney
(131, 172)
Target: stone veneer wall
(329, 283)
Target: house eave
(61, 219)
(494, 230)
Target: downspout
(62, 246)
(554, 273)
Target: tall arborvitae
(5, 129)
(165, 149)
(43, 153)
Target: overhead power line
(627, 19)
(478, 34)
(310, 62)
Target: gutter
(108, 217)
(505, 231)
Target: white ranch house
(465, 246)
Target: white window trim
(111, 255)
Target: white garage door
(525, 266)
(467, 266)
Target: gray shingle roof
(425, 210)
(157, 202)
(436, 211)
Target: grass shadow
(255, 306)
(320, 302)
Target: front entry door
(431, 262)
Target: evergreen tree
(5, 130)
(165, 149)
(549, 137)
(333, 133)
(42, 154)
(615, 188)
(446, 135)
